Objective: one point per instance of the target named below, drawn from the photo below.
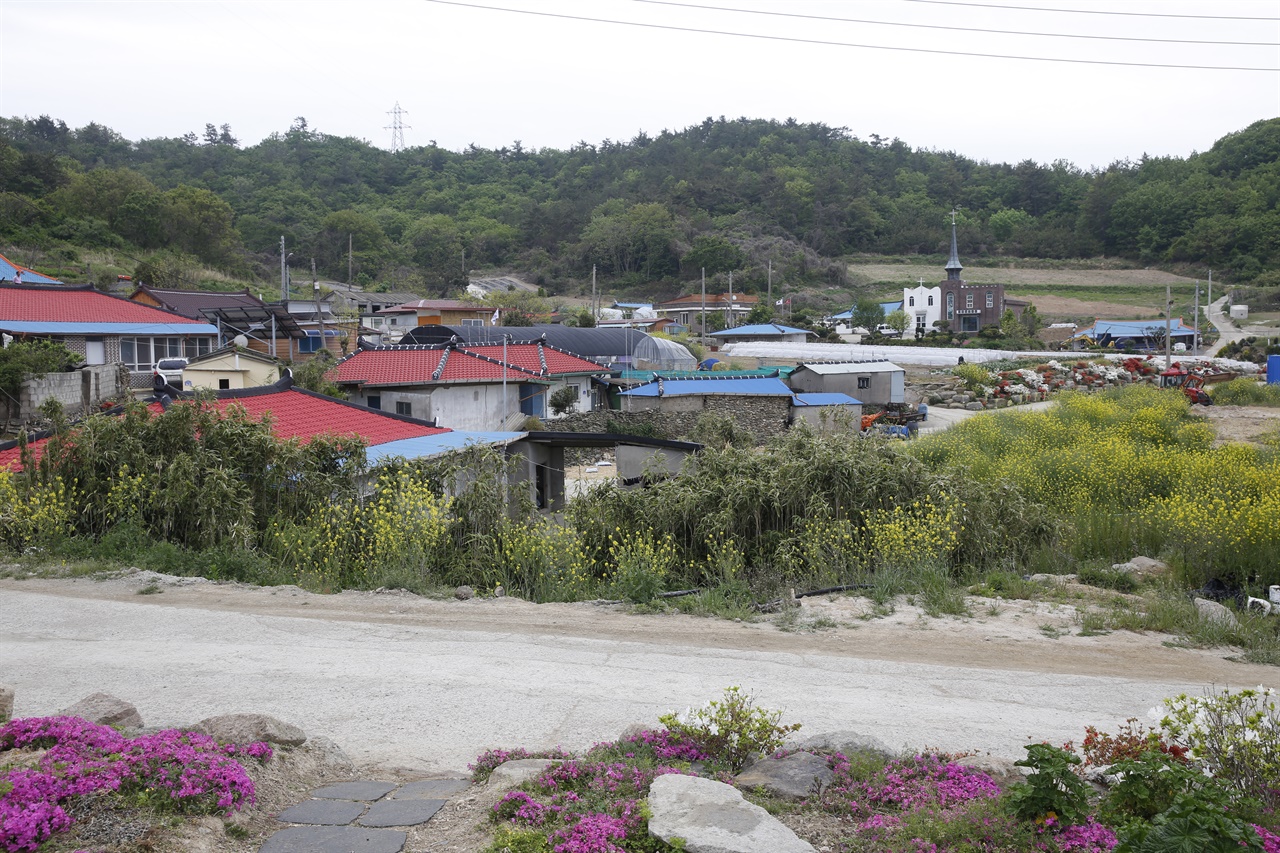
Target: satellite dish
(240, 341)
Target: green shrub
(1116, 579)
(731, 729)
(1053, 788)
(1245, 392)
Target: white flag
(493, 321)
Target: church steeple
(953, 267)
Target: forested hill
(724, 195)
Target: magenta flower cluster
(192, 771)
(489, 759)
(1087, 837)
(585, 806)
(662, 745)
(906, 784)
(1270, 841)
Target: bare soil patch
(1244, 424)
(1066, 308)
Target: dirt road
(402, 681)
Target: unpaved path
(408, 682)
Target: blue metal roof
(828, 399)
(760, 330)
(694, 387)
(434, 445)
(26, 327)
(889, 307)
(8, 268)
(1134, 329)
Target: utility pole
(1168, 309)
(728, 320)
(315, 292)
(1210, 297)
(284, 273)
(1195, 344)
(770, 284)
(595, 311)
(348, 258)
(702, 319)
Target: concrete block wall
(78, 391)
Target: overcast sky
(467, 74)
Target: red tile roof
(297, 414)
(470, 363)
(53, 304)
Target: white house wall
(921, 295)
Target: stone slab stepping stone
(323, 812)
(335, 839)
(713, 817)
(431, 789)
(362, 790)
(401, 812)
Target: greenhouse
(625, 348)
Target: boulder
(846, 743)
(1143, 568)
(974, 406)
(249, 728)
(513, 773)
(712, 817)
(794, 777)
(1212, 611)
(6, 703)
(1001, 770)
(106, 710)
(464, 593)
(330, 756)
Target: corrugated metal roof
(848, 368)
(1133, 328)
(699, 387)
(434, 445)
(29, 276)
(189, 303)
(589, 343)
(761, 330)
(826, 400)
(422, 366)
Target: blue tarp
(1134, 329)
(7, 269)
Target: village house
(770, 332)
(685, 310)
(230, 368)
(102, 328)
(469, 386)
(878, 383)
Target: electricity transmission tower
(397, 128)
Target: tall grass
(1245, 392)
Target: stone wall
(763, 417)
(78, 391)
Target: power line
(957, 29)
(847, 44)
(1092, 11)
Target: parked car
(171, 369)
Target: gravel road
(401, 681)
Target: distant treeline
(723, 195)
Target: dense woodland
(723, 195)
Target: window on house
(968, 300)
(864, 382)
(311, 343)
(951, 306)
(911, 301)
(991, 299)
(374, 401)
(224, 384)
(472, 322)
(931, 300)
(403, 408)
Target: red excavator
(1192, 384)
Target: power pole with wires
(397, 127)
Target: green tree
(898, 320)
(867, 313)
(712, 253)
